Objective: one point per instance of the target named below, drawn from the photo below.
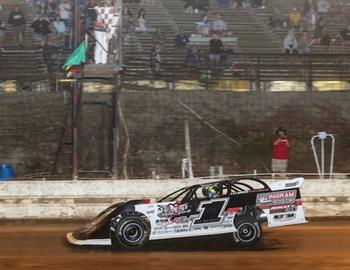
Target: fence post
(76, 97)
(309, 85)
(257, 74)
(115, 130)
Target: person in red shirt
(280, 151)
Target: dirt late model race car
(236, 206)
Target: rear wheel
(131, 232)
(248, 231)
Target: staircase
(21, 62)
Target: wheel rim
(246, 232)
(132, 233)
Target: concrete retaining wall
(84, 199)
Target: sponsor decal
(284, 217)
(292, 184)
(273, 198)
(283, 208)
(172, 209)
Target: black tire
(131, 232)
(248, 231)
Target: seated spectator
(59, 25)
(201, 6)
(345, 33)
(203, 27)
(277, 18)
(227, 56)
(159, 36)
(323, 7)
(128, 19)
(189, 6)
(317, 34)
(181, 39)
(215, 49)
(256, 3)
(325, 39)
(218, 25)
(304, 43)
(141, 18)
(295, 18)
(240, 4)
(290, 44)
(50, 9)
(193, 56)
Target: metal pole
(76, 23)
(322, 157)
(76, 93)
(188, 149)
(119, 8)
(315, 155)
(332, 157)
(115, 130)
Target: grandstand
(258, 64)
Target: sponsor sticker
(276, 198)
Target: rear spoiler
(287, 184)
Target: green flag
(77, 57)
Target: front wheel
(131, 232)
(248, 231)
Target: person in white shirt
(218, 25)
(64, 10)
(323, 7)
(290, 44)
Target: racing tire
(132, 232)
(248, 231)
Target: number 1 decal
(211, 211)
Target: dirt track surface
(317, 245)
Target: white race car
(234, 206)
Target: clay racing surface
(317, 245)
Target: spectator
(277, 18)
(101, 48)
(41, 28)
(240, 4)
(227, 56)
(295, 18)
(159, 36)
(203, 27)
(280, 149)
(189, 6)
(50, 9)
(290, 43)
(181, 39)
(90, 14)
(2, 31)
(202, 6)
(59, 25)
(311, 19)
(215, 49)
(141, 18)
(193, 57)
(304, 43)
(218, 25)
(323, 7)
(17, 20)
(317, 35)
(64, 11)
(156, 60)
(309, 5)
(128, 19)
(256, 3)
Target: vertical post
(115, 131)
(309, 85)
(76, 94)
(76, 23)
(188, 148)
(118, 6)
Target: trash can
(6, 172)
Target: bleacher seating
(21, 62)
